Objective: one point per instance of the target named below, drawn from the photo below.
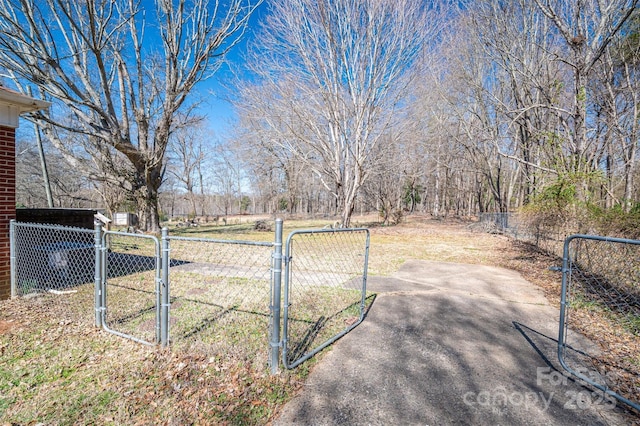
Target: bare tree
(68, 186)
(274, 170)
(118, 76)
(617, 102)
(331, 76)
(587, 27)
(520, 43)
(43, 165)
(511, 92)
(187, 154)
(226, 177)
(474, 89)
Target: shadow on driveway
(449, 343)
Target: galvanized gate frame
(102, 252)
(567, 266)
(287, 282)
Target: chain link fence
(600, 298)
(325, 289)
(220, 295)
(601, 285)
(199, 294)
(543, 234)
(54, 266)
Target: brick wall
(7, 204)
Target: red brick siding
(7, 204)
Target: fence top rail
(601, 238)
(131, 234)
(215, 241)
(327, 231)
(52, 227)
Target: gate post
(12, 257)
(276, 291)
(563, 299)
(97, 238)
(164, 289)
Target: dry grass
(424, 238)
(68, 372)
(72, 373)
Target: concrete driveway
(448, 343)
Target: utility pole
(43, 164)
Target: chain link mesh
(325, 288)
(603, 287)
(131, 299)
(55, 266)
(220, 293)
(541, 233)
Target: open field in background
(68, 372)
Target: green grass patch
(578, 300)
(632, 323)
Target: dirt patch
(196, 291)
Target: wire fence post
(12, 257)
(275, 298)
(164, 289)
(563, 299)
(104, 262)
(97, 238)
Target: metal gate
(205, 290)
(130, 287)
(324, 291)
(601, 280)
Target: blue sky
(214, 91)
(216, 107)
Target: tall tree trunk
(580, 166)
